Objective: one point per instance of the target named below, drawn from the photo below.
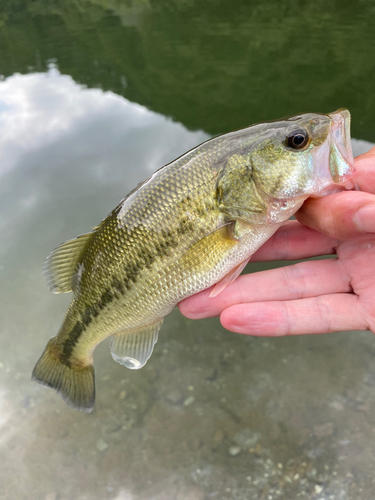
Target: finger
(294, 241)
(344, 215)
(305, 279)
(323, 314)
(365, 171)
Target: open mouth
(341, 155)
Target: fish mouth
(341, 162)
(334, 158)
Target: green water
(212, 65)
(94, 97)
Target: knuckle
(324, 315)
(280, 242)
(286, 320)
(294, 280)
(368, 315)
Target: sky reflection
(68, 155)
(60, 141)
(40, 109)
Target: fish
(193, 224)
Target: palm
(357, 261)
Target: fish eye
(297, 139)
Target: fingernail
(364, 218)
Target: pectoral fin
(207, 252)
(133, 348)
(228, 279)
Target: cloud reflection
(61, 142)
(39, 109)
(67, 156)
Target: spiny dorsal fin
(133, 348)
(60, 264)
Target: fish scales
(194, 222)
(133, 250)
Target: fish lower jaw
(348, 185)
(328, 185)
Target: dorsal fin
(60, 264)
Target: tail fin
(75, 383)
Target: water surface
(95, 96)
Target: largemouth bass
(194, 223)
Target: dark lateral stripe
(143, 258)
(81, 325)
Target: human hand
(310, 297)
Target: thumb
(365, 171)
(344, 215)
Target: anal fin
(228, 279)
(133, 348)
